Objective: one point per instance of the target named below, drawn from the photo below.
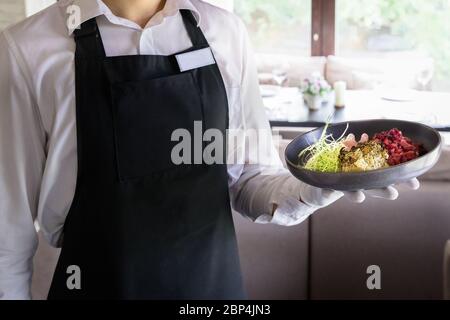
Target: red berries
(399, 147)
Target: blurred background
(364, 38)
(390, 30)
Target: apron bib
(141, 227)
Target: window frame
(323, 29)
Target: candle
(340, 88)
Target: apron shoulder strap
(88, 40)
(195, 33)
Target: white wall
(33, 6)
(226, 4)
(11, 11)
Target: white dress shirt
(38, 151)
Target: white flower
(324, 84)
(315, 89)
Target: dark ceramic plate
(367, 180)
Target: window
(417, 30)
(414, 33)
(277, 26)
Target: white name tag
(195, 59)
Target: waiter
(89, 103)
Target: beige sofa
(359, 73)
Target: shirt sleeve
(261, 182)
(22, 158)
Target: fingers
(412, 184)
(355, 196)
(389, 193)
(328, 197)
(322, 197)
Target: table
(287, 109)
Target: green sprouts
(323, 156)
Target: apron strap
(89, 41)
(195, 33)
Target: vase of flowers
(315, 91)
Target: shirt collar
(88, 9)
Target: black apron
(141, 227)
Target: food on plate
(364, 156)
(324, 154)
(346, 154)
(400, 148)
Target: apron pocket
(146, 113)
